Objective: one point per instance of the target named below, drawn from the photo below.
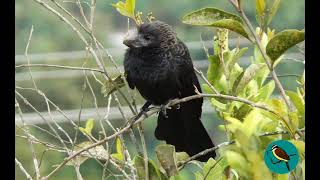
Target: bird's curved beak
(132, 40)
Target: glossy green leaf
(111, 86)
(216, 18)
(282, 41)
(167, 158)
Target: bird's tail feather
(287, 164)
(183, 128)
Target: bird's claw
(142, 112)
(163, 110)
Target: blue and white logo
(281, 156)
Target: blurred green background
(65, 89)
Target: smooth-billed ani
(159, 65)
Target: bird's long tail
(183, 128)
(287, 164)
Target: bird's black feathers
(159, 65)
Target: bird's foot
(145, 108)
(167, 105)
(163, 110)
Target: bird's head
(274, 147)
(155, 34)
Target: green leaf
(282, 41)
(278, 106)
(297, 100)
(212, 169)
(294, 120)
(273, 10)
(216, 18)
(198, 176)
(181, 156)
(264, 92)
(154, 173)
(83, 130)
(218, 104)
(89, 126)
(246, 77)
(300, 145)
(234, 74)
(167, 158)
(214, 70)
(235, 56)
(111, 86)
(206, 88)
(236, 160)
(127, 8)
(119, 155)
(260, 7)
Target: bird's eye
(147, 37)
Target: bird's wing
(185, 76)
(131, 85)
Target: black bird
(159, 65)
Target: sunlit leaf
(300, 145)
(212, 169)
(218, 104)
(247, 76)
(216, 18)
(125, 8)
(297, 100)
(260, 7)
(198, 176)
(88, 129)
(235, 55)
(264, 92)
(236, 160)
(282, 41)
(119, 154)
(89, 125)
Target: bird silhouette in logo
(281, 155)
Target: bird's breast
(155, 82)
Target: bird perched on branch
(159, 65)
